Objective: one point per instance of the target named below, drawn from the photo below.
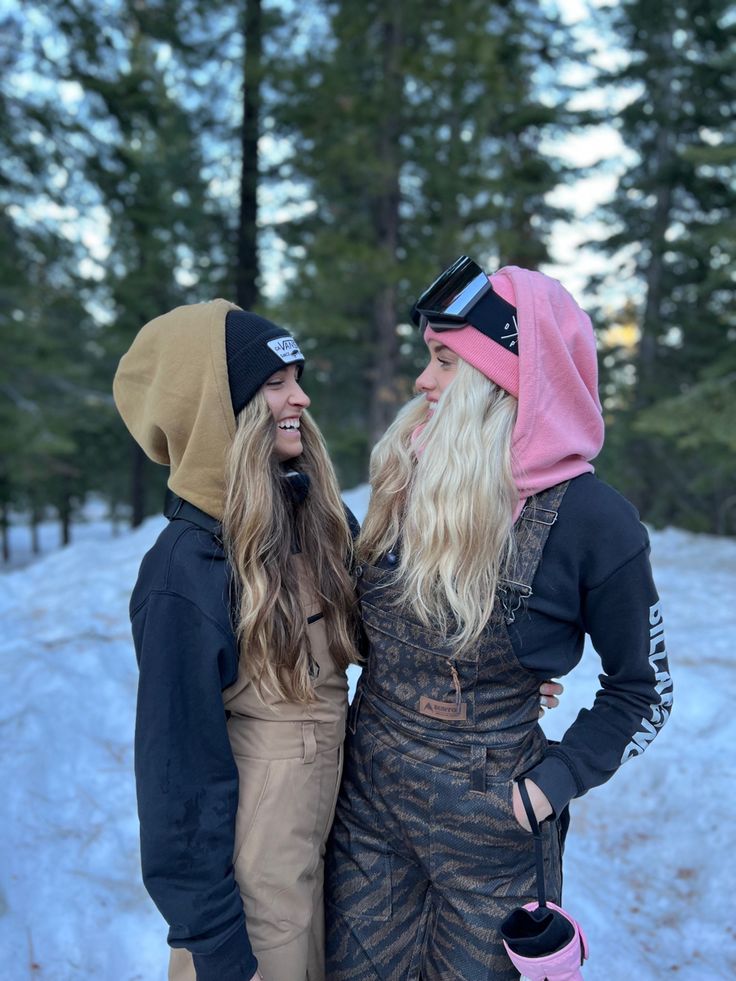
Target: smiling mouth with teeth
(289, 425)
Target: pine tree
(673, 220)
(415, 139)
(247, 270)
(43, 361)
(140, 149)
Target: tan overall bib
(289, 759)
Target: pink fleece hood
(559, 426)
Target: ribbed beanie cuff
(489, 357)
(255, 349)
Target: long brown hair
(261, 524)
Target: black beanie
(255, 349)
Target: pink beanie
(490, 358)
(554, 377)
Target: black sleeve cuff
(554, 779)
(232, 961)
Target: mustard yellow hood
(171, 389)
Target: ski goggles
(463, 295)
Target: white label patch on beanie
(286, 348)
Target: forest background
(321, 162)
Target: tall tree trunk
(651, 321)
(65, 517)
(246, 275)
(385, 387)
(4, 523)
(35, 521)
(137, 486)
(661, 165)
(649, 453)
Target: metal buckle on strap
(527, 511)
(520, 586)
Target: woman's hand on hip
(548, 692)
(540, 805)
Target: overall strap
(176, 507)
(532, 530)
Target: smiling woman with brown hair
(244, 622)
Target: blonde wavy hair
(261, 525)
(449, 506)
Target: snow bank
(649, 864)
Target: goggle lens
(462, 295)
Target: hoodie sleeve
(187, 784)
(623, 617)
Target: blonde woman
(237, 755)
(488, 553)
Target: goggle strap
(496, 318)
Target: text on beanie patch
(286, 348)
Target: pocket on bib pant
(253, 778)
(280, 853)
(358, 865)
(359, 876)
(509, 801)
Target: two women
(488, 553)
(244, 622)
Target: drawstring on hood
(559, 424)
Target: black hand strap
(538, 849)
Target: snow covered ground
(650, 867)
(91, 524)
